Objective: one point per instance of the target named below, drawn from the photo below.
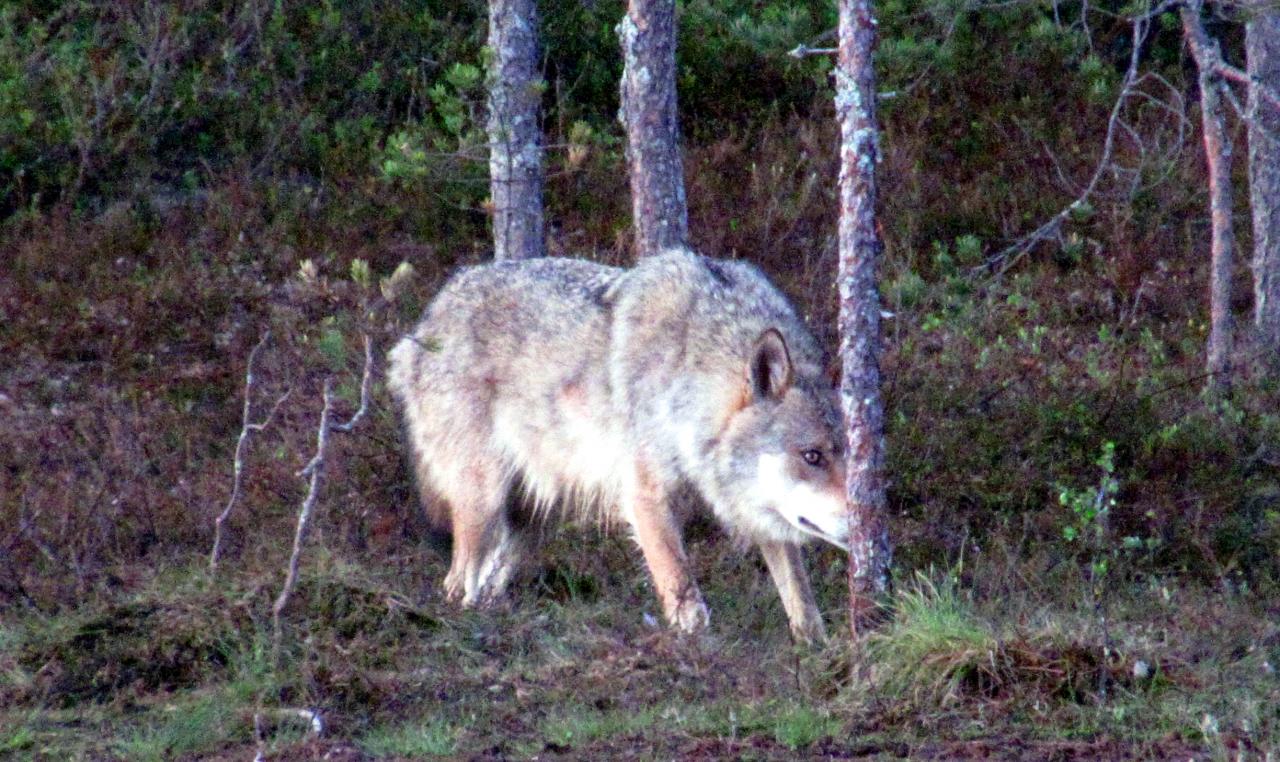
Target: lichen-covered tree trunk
(515, 137)
(648, 37)
(1262, 48)
(1217, 149)
(869, 551)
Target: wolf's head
(781, 460)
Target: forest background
(1086, 543)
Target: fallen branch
(246, 427)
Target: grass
(429, 738)
(936, 646)
(794, 727)
(582, 725)
(801, 726)
(184, 729)
(20, 737)
(950, 672)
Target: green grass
(590, 676)
(17, 738)
(427, 738)
(583, 725)
(199, 726)
(935, 641)
(800, 726)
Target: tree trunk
(1262, 47)
(648, 37)
(1217, 149)
(869, 550)
(515, 138)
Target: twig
(246, 427)
(804, 51)
(314, 469)
(28, 529)
(364, 389)
(1006, 258)
(1231, 73)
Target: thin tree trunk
(1262, 48)
(648, 37)
(1217, 149)
(515, 138)
(860, 246)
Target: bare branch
(246, 427)
(315, 470)
(804, 51)
(1005, 258)
(364, 389)
(1229, 72)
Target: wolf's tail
(401, 360)
(403, 363)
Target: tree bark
(1262, 48)
(515, 138)
(860, 246)
(648, 37)
(1217, 149)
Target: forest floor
(176, 664)
(126, 340)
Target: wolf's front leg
(786, 566)
(657, 533)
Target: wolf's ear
(769, 369)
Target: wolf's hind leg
(786, 566)
(487, 550)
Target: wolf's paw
(691, 615)
(455, 590)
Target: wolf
(560, 386)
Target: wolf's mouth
(817, 531)
(812, 527)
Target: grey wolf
(555, 386)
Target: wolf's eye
(813, 457)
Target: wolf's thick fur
(576, 386)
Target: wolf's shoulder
(685, 280)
